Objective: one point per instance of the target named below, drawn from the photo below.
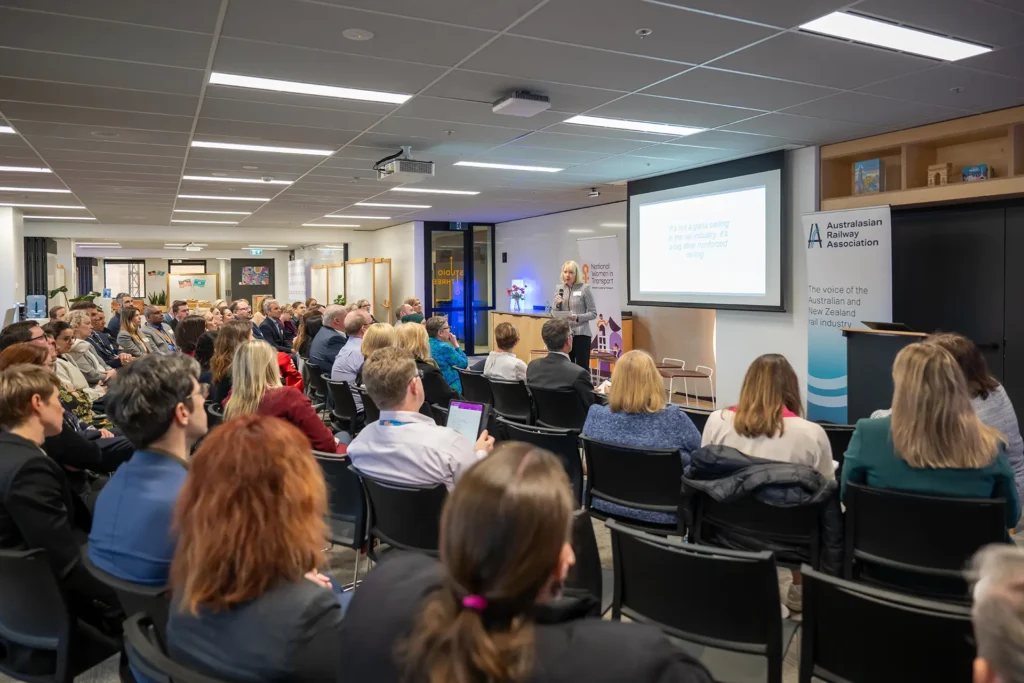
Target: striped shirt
(578, 299)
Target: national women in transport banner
(599, 263)
(849, 280)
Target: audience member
(416, 315)
(998, 614)
(248, 601)
(105, 346)
(159, 335)
(405, 446)
(271, 327)
(492, 609)
(57, 313)
(289, 323)
(413, 338)
(158, 404)
(66, 370)
(82, 353)
(179, 311)
(130, 336)
(226, 315)
(241, 309)
(309, 327)
(21, 332)
(933, 443)
(365, 305)
(187, 333)
(298, 310)
(228, 339)
(403, 310)
(37, 507)
(124, 300)
(767, 422)
(503, 363)
(311, 302)
(445, 351)
(555, 371)
(213, 320)
(328, 340)
(204, 354)
(350, 357)
(256, 389)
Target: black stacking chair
(587, 573)
(699, 417)
(135, 597)
(643, 479)
(559, 408)
(370, 410)
(512, 400)
(854, 632)
(402, 516)
(317, 389)
(34, 614)
(346, 502)
(439, 413)
(475, 387)
(726, 599)
(916, 543)
(562, 442)
(144, 651)
(214, 414)
(839, 439)
(345, 412)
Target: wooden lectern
(869, 358)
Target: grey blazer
(157, 344)
(133, 347)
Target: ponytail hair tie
(475, 602)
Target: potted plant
(340, 300)
(158, 299)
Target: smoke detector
(521, 103)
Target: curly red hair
(251, 514)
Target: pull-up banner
(849, 280)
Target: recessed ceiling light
(6, 129)
(19, 205)
(217, 78)
(883, 34)
(580, 231)
(269, 246)
(181, 220)
(24, 169)
(613, 225)
(428, 191)
(509, 167)
(222, 198)
(333, 246)
(34, 189)
(62, 218)
(107, 134)
(266, 248)
(258, 181)
(330, 225)
(219, 174)
(224, 213)
(369, 218)
(357, 34)
(190, 244)
(642, 126)
(223, 258)
(104, 245)
(394, 206)
(248, 168)
(263, 148)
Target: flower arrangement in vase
(517, 294)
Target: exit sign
(458, 226)
(255, 252)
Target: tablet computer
(467, 418)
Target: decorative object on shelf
(517, 293)
(339, 300)
(938, 174)
(157, 298)
(868, 176)
(972, 174)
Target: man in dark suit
(273, 332)
(329, 340)
(556, 371)
(108, 350)
(243, 311)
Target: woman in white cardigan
(67, 371)
(82, 353)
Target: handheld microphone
(561, 293)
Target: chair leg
(686, 392)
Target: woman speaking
(575, 296)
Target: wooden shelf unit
(996, 139)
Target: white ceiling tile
(443, 109)
(822, 61)
(679, 112)
(582, 143)
(978, 91)
(184, 15)
(45, 145)
(437, 130)
(261, 112)
(489, 15)
(738, 90)
(101, 118)
(803, 127)
(971, 20)
(877, 111)
(781, 13)
(538, 155)
(610, 133)
(1005, 61)
(86, 132)
(65, 94)
(624, 167)
(740, 142)
(484, 87)
(684, 153)
(99, 72)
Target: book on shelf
(868, 176)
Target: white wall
(12, 259)
(742, 336)
(399, 243)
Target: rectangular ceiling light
(183, 244)
(18, 205)
(640, 126)
(6, 129)
(181, 220)
(24, 169)
(330, 225)
(222, 198)
(394, 206)
(263, 148)
(217, 78)
(268, 246)
(104, 245)
(258, 181)
(225, 213)
(428, 191)
(62, 218)
(368, 218)
(884, 34)
(508, 167)
(34, 189)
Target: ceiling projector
(521, 103)
(400, 168)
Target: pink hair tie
(475, 602)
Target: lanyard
(393, 423)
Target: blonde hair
(576, 269)
(76, 318)
(414, 339)
(636, 385)
(253, 372)
(377, 336)
(933, 422)
(769, 387)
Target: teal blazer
(871, 460)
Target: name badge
(577, 293)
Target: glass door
(460, 272)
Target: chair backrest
(561, 408)
(317, 382)
(512, 400)
(405, 517)
(134, 597)
(344, 404)
(722, 598)
(698, 417)
(853, 632)
(475, 387)
(346, 501)
(562, 442)
(839, 440)
(925, 535)
(440, 414)
(33, 613)
(214, 414)
(370, 410)
(643, 478)
(798, 525)
(144, 652)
